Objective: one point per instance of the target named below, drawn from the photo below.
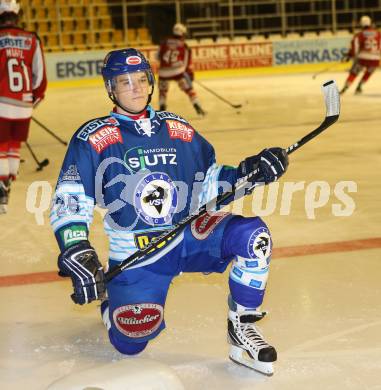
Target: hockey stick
(332, 103)
(41, 164)
(49, 131)
(218, 96)
(327, 69)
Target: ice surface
(325, 309)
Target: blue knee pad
(248, 240)
(124, 347)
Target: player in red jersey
(175, 58)
(365, 51)
(22, 87)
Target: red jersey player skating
(22, 86)
(365, 51)
(175, 58)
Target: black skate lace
(253, 335)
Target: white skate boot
(247, 345)
(5, 187)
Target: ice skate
(4, 195)
(358, 90)
(343, 90)
(198, 109)
(248, 346)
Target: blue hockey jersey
(148, 174)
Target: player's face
(131, 90)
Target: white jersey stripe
(38, 67)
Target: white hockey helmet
(365, 21)
(9, 6)
(179, 29)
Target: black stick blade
(42, 164)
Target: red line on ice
(291, 251)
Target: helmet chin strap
(117, 103)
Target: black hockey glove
(81, 263)
(271, 163)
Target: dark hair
(9, 18)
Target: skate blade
(236, 355)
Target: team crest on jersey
(71, 174)
(260, 244)
(156, 199)
(138, 320)
(105, 137)
(178, 130)
(203, 226)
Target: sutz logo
(137, 158)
